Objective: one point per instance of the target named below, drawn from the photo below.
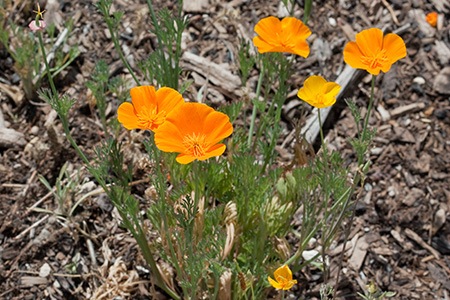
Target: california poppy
(318, 92)
(288, 35)
(432, 18)
(193, 130)
(149, 107)
(373, 52)
(283, 278)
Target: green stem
(63, 118)
(146, 252)
(299, 251)
(322, 139)
(307, 11)
(155, 21)
(253, 118)
(369, 109)
(47, 67)
(110, 25)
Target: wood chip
(404, 135)
(414, 196)
(13, 92)
(438, 221)
(359, 254)
(401, 110)
(443, 52)
(439, 275)
(423, 164)
(382, 250)
(32, 280)
(213, 72)
(10, 137)
(400, 240)
(416, 238)
(340, 248)
(196, 6)
(441, 82)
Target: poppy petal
(370, 41)
(168, 137)
(185, 158)
(353, 55)
(269, 29)
(395, 47)
(274, 283)
(295, 28)
(168, 99)
(331, 88)
(311, 87)
(283, 272)
(217, 127)
(216, 150)
(262, 45)
(294, 36)
(143, 96)
(301, 49)
(127, 116)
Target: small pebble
(45, 270)
(332, 21)
(34, 130)
(376, 151)
(441, 114)
(391, 193)
(310, 254)
(419, 80)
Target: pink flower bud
(34, 27)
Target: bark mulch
(400, 238)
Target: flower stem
(253, 118)
(369, 109)
(307, 11)
(47, 67)
(55, 94)
(322, 139)
(104, 8)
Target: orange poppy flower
(149, 107)
(288, 35)
(194, 130)
(432, 18)
(283, 278)
(318, 92)
(373, 52)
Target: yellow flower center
(150, 118)
(376, 61)
(195, 144)
(320, 98)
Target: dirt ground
(401, 236)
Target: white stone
(45, 270)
